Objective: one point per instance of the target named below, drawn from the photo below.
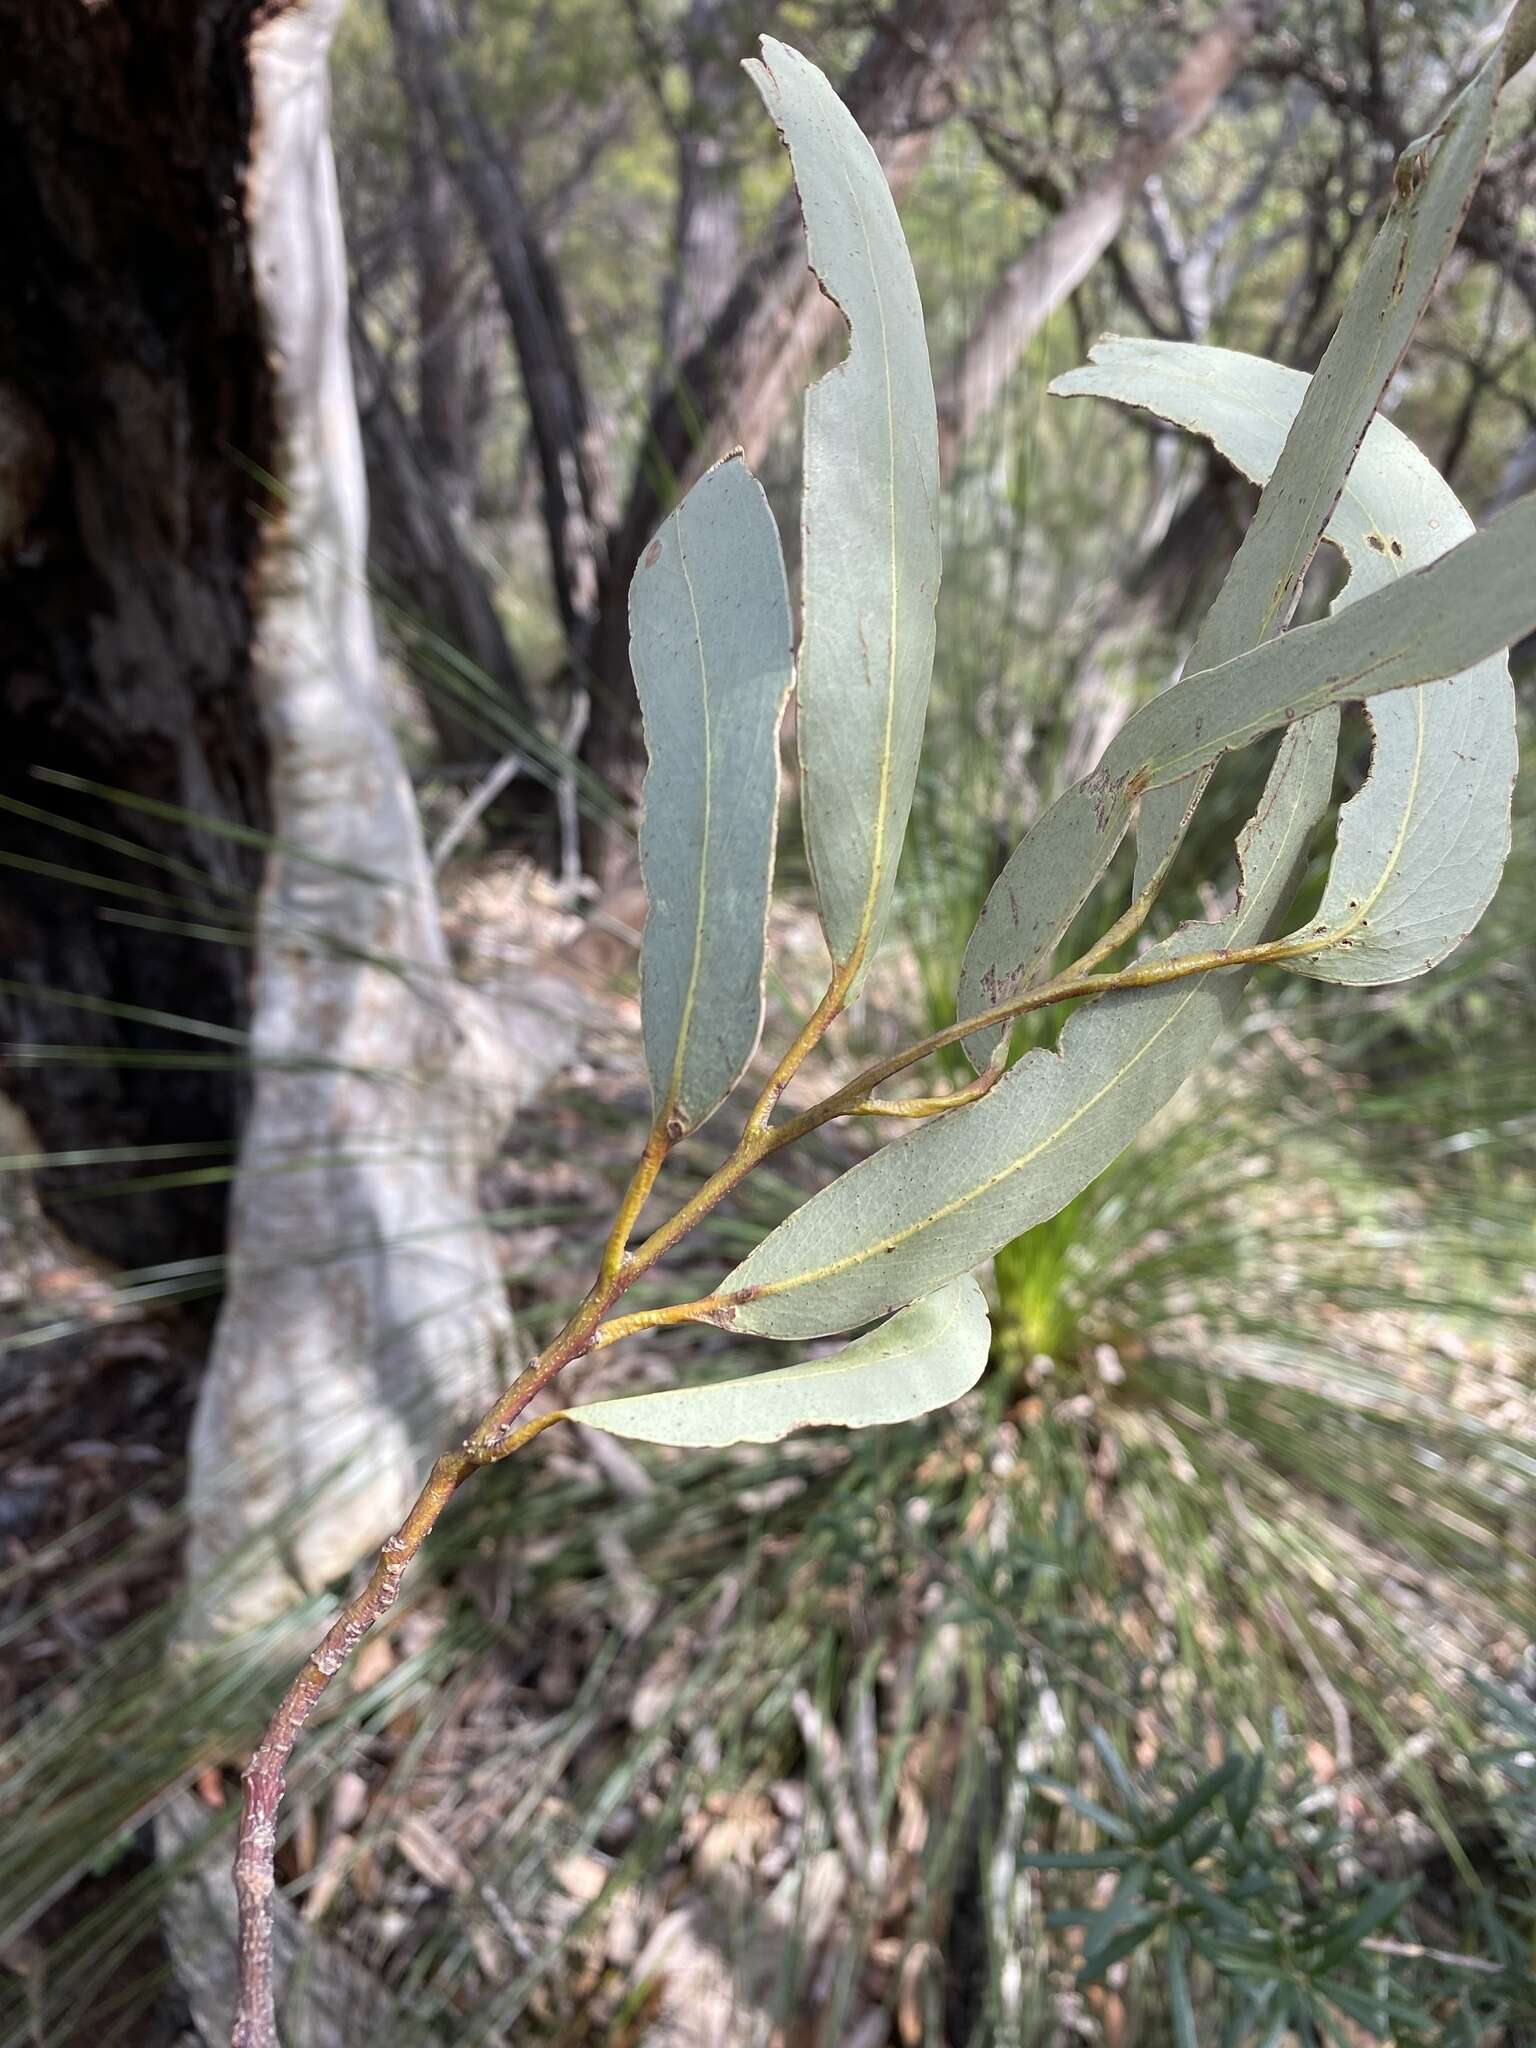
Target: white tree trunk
(364, 1318)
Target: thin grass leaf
(1108, 1823)
(1241, 1796)
(1097, 1965)
(1383, 1904)
(1102, 1927)
(1078, 1859)
(1115, 1764)
(1181, 2006)
(1194, 1803)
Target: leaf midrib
(882, 806)
(690, 996)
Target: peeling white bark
(364, 1319)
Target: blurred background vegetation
(924, 1738)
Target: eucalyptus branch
(495, 1437)
(854, 1098)
(264, 1776)
(915, 1106)
(711, 649)
(636, 1195)
(810, 1036)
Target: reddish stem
(263, 1778)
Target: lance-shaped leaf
(1056, 867)
(1433, 623)
(1374, 330)
(1457, 612)
(955, 1191)
(924, 1358)
(709, 632)
(1421, 848)
(869, 518)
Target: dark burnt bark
(134, 393)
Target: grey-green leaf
(1374, 330)
(1044, 883)
(1460, 610)
(710, 645)
(924, 1358)
(1053, 871)
(869, 519)
(954, 1191)
(1421, 847)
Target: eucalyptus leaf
(1458, 611)
(954, 1191)
(924, 1358)
(1473, 601)
(869, 517)
(1374, 330)
(1057, 865)
(1043, 885)
(710, 645)
(1421, 847)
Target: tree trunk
(364, 1317)
(706, 223)
(177, 322)
(132, 390)
(442, 380)
(1052, 268)
(423, 465)
(446, 610)
(566, 435)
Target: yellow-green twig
(498, 1433)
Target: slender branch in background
(420, 546)
(1052, 268)
(473, 808)
(442, 332)
(706, 222)
(565, 428)
(1490, 230)
(571, 736)
(1480, 374)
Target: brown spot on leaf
(653, 554)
